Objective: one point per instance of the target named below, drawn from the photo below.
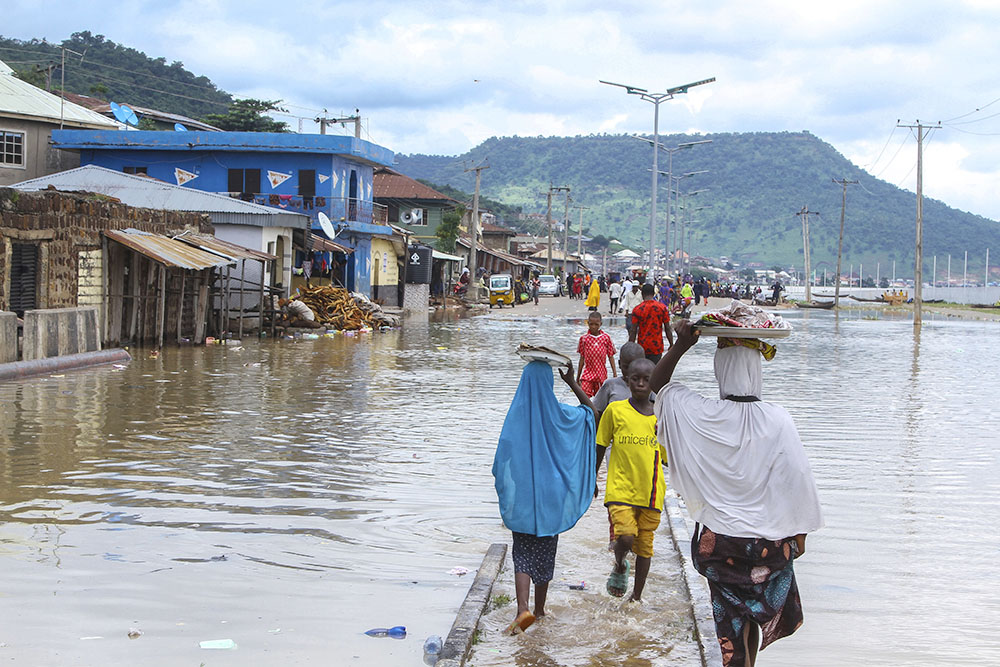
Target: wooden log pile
(340, 309)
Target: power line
(976, 110)
(871, 165)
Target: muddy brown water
(291, 494)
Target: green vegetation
(500, 600)
(114, 72)
(756, 182)
(447, 231)
(248, 116)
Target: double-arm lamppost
(655, 99)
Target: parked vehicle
(548, 285)
(501, 290)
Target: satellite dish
(179, 128)
(130, 117)
(326, 225)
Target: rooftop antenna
(326, 226)
(124, 114)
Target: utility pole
(840, 245)
(579, 232)
(356, 119)
(918, 273)
(566, 236)
(805, 213)
(474, 234)
(655, 99)
(62, 81)
(548, 219)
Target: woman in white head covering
(741, 468)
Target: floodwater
(292, 494)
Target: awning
(437, 254)
(319, 244)
(167, 251)
(225, 248)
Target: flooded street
(290, 495)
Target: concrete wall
(8, 337)
(59, 331)
(40, 158)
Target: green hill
(757, 182)
(116, 73)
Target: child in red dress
(595, 349)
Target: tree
(447, 231)
(99, 90)
(36, 76)
(248, 115)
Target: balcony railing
(339, 209)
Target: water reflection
(322, 487)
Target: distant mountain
(756, 184)
(115, 73)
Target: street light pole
(655, 99)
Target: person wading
(742, 470)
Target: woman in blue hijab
(545, 478)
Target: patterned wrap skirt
(750, 579)
(535, 556)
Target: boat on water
(825, 305)
(877, 299)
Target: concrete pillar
(53, 332)
(416, 299)
(8, 337)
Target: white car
(548, 285)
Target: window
(307, 183)
(11, 148)
(134, 170)
(244, 181)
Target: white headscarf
(740, 467)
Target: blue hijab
(545, 461)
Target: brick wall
(63, 225)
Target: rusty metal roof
(166, 250)
(320, 244)
(225, 248)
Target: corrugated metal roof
(224, 248)
(389, 184)
(20, 99)
(166, 250)
(104, 108)
(320, 244)
(146, 192)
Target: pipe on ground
(16, 370)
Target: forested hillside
(756, 183)
(115, 73)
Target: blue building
(304, 173)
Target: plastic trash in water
(134, 633)
(396, 632)
(432, 645)
(578, 587)
(221, 644)
(459, 571)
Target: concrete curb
(456, 647)
(697, 587)
(16, 370)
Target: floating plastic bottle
(396, 632)
(432, 645)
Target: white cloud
(441, 77)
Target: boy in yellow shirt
(635, 486)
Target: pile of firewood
(340, 309)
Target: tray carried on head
(743, 332)
(540, 353)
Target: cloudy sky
(439, 77)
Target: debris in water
(134, 633)
(221, 644)
(459, 571)
(396, 632)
